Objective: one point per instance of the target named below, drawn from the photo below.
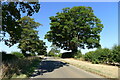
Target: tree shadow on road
(48, 66)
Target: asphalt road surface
(51, 68)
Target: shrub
(8, 57)
(18, 54)
(67, 55)
(19, 66)
(95, 61)
(99, 56)
(60, 55)
(116, 53)
(51, 54)
(78, 54)
(89, 56)
(103, 55)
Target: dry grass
(21, 68)
(107, 71)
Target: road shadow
(48, 66)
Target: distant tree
(51, 53)
(11, 12)
(54, 51)
(75, 27)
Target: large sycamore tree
(75, 27)
(11, 12)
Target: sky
(107, 12)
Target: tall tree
(29, 41)
(75, 27)
(11, 12)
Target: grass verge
(100, 69)
(19, 68)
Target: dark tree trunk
(74, 51)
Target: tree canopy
(30, 41)
(75, 27)
(11, 12)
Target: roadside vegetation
(102, 61)
(22, 31)
(70, 29)
(104, 56)
(107, 71)
(16, 65)
(99, 56)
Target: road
(52, 68)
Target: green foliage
(32, 54)
(75, 27)
(20, 66)
(18, 54)
(78, 55)
(51, 53)
(60, 55)
(89, 56)
(42, 48)
(105, 56)
(116, 53)
(95, 61)
(29, 38)
(11, 12)
(54, 51)
(8, 57)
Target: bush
(8, 57)
(99, 56)
(78, 54)
(116, 53)
(67, 55)
(19, 66)
(89, 56)
(95, 61)
(51, 54)
(103, 55)
(60, 55)
(18, 54)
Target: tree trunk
(74, 51)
